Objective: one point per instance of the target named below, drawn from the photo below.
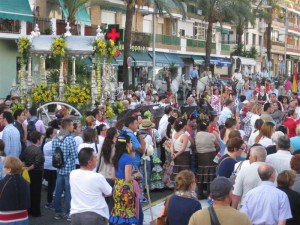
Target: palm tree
(161, 5)
(72, 7)
(273, 7)
(219, 11)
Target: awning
(198, 60)
(246, 61)
(16, 10)
(214, 60)
(141, 58)
(82, 16)
(160, 59)
(174, 59)
(222, 30)
(224, 63)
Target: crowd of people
(234, 154)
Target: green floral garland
(44, 93)
(77, 95)
(99, 46)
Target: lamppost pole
(285, 40)
(153, 41)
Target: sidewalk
(157, 207)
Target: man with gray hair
(281, 159)
(266, 204)
(248, 177)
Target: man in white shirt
(238, 77)
(266, 204)
(226, 112)
(88, 205)
(264, 73)
(281, 159)
(162, 127)
(248, 177)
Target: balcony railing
(10, 26)
(229, 42)
(166, 39)
(225, 47)
(141, 39)
(278, 43)
(44, 25)
(198, 44)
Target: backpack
(58, 156)
(31, 127)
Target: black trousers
(162, 151)
(36, 178)
(50, 176)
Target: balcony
(44, 25)
(141, 39)
(166, 41)
(10, 26)
(198, 46)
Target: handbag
(162, 220)
(213, 217)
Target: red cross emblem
(114, 33)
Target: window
(253, 39)
(200, 32)
(260, 40)
(247, 38)
(275, 35)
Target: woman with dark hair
(277, 114)
(90, 140)
(49, 170)
(283, 129)
(285, 181)
(227, 162)
(230, 125)
(180, 147)
(285, 103)
(169, 132)
(206, 145)
(213, 126)
(183, 203)
(33, 159)
(105, 166)
(290, 122)
(124, 195)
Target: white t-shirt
(101, 141)
(265, 141)
(47, 149)
(87, 190)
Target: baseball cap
(220, 187)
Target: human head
(192, 120)
(90, 121)
(101, 130)
(33, 111)
(76, 128)
(268, 108)
(258, 154)
(220, 188)
(202, 125)
(257, 109)
(19, 115)
(292, 113)
(12, 165)
(273, 97)
(229, 103)
(277, 106)
(132, 123)
(179, 124)
(258, 124)
(283, 143)
(97, 114)
(87, 158)
(35, 137)
(185, 181)
(267, 129)
(2, 146)
(126, 104)
(235, 145)
(286, 179)
(89, 136)
(67, 124)
(234, 133)
(50, 132)
(6, 118)
(123, 145)
(295, 163)
(242, 98)
(266, 172)
(230, 123)
(283, 129)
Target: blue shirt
(136, 144)
(12, 141)
(123, 161)
(226, 166)
(266, 204)
(248, 93)
(194, 74)
(68, 148)
(181, 209)
(295, 143)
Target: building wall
(8, 65)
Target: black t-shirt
(294, 199)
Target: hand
(173, 156)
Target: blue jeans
(62, 183)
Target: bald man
(266, 204)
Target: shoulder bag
(213, 217)
(162, 220)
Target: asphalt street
(47, 217)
